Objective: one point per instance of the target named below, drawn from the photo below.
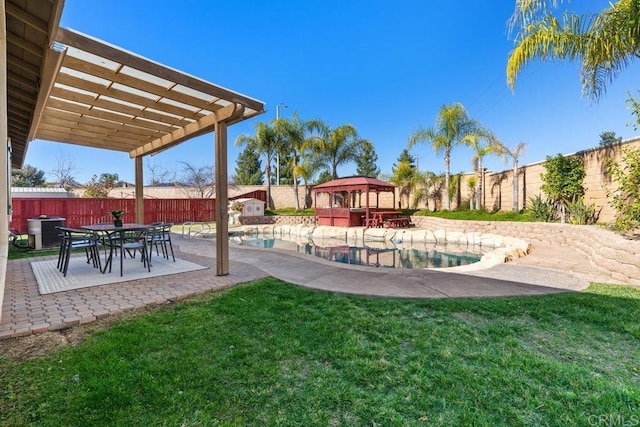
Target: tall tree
(404, 173)
(200, 178)
(324, 176)
(513, 154)
(266, 143)
(404, 157)
(27, 176)
(286, 169)
(367, 160)
(335, 146)
(157, 174)
(99, 187)
(491, 146)
(452, 125)
(306, 170)
(65, 171)
(605, 43)
(294, 134)
(608, 139)
(248, 168)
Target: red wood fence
(83, 211)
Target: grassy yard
(269, 353)
(23, 252)
(477, 215)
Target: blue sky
(384, 67)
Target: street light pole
(278, 154)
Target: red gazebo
(341, 209)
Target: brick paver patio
(25, 311)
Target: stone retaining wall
(278, 219)
(609, 253)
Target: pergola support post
(222, 200)
(139, 180)
(5, 184)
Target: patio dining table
(110, 230)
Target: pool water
(373, 254)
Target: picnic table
(389, 219)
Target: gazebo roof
(353, 183)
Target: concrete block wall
(498, 191)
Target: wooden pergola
(347, 214)
(68, 87)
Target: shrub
(542, 210)
(582, 214)
(562, 181)
(625, 199)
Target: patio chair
(130, 242)
(162, 237)
(78, 239)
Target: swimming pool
(372, 254)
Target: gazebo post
(367, 211)
(332, 201)
(315, 211)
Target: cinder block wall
(498, 191)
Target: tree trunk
(268, 173)
(515, 186)
(295, 182)
(447, 161)
(479, 184)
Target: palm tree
(265, 142)
(307, 169)
(293, 134)
(452, 125)
(404, 175)
(421, 184)
(606, 42)
(514, 155)
(336, 146)
(493, 146)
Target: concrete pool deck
(547, 269)
(510, 279)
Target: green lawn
(477, 215)
(290, 212)
(23, 252)
(270, 353)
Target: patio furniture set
(118, 240)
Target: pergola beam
(105, 73)
(27, 18)
(204, 125)
(51, 66)
(82, 42)
(125, 96)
